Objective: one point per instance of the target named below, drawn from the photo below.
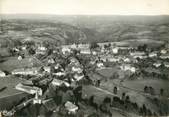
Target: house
(73, 46)
(115, 50)
(157, 64)
(42, 48)
(85, 51)
(47, 69)
(2, 74)
(126, 67)
(59, 74)
(137, 53)
(165, 56)
(163, 51)
(23, 47)
(66, 50)
(140, 55)
(70, 107)
(57, 82)
(27, 71)
(152, 54)
(166, 64)
(40, 52)
(100, 64)
(127, 60)
(78, 77)
(113, 59)
(83, 46)
(29, 89)
(20, 58)
(77, 69)
(73, 60)
(94, 52)
(16, 49)
(51, 60)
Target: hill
(74, 29)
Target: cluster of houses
(116, 54)
(124, 57)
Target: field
(12, 63)
(10, 94)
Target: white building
(100, 65)
(23, 47)
(59, 74)
(51, 61)
(113, 59)
(140, 55)
(137, 53)
(40, 52)
(77, 69)
(115, 50)
(164, 56)
(166, 64)
(85, 51)
(72, 108)
(57, 82)
(42, 48)
(2, 74)
(20, 58)
(78, 77)
(94, 52)
(66, 50)
(127, 60)
(28, 89)
(153, 54)
(27, 71)
(157, 64)
(163, 51)
(47, 69)
(126, 67)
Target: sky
(85, 7)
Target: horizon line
(83, 14)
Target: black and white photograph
(84, 58)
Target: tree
(115, 75)
(11, 51)
(116, 99)
(123, 96)
(31, 51)
(142, 47)
(144, 110)
(127, 99)
(161, 91)
(98, 83)
(17, 43)
(91, 99)
(152, 92)
(93, 45)
(115, 90)
(78, 93)
(145, 89)
(107, 100)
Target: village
(86, 80)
